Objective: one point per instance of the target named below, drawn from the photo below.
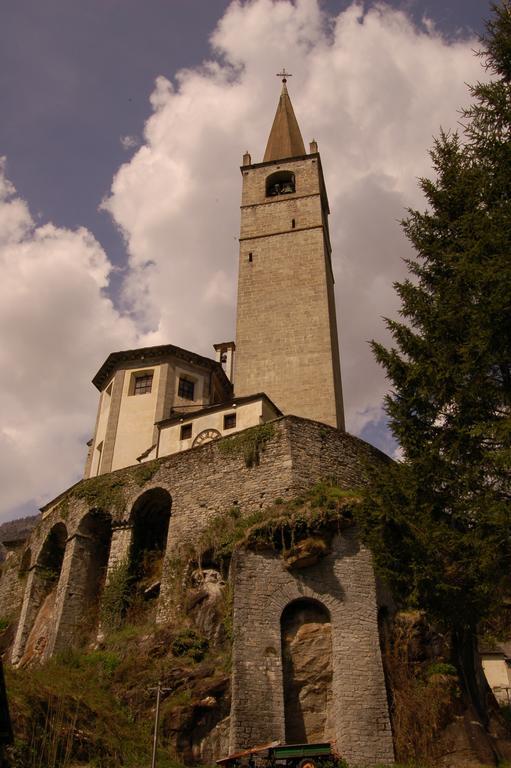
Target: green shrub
(106, 661)
(441, 668)
(116, 593)
(190, 643)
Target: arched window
(307, 671)
(280, 183)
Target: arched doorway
(307, 671)
(150, 518)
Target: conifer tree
(439, 521)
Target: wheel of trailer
(308, 762)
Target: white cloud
(57, 326)
(370, 87)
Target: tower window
(143, 384)
(186, 389)
(250, 256)
(186, 432)
(293, 223)
(229, 421)
(280, 183)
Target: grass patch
(190, 643)
(96, 706)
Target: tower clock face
(206, 436)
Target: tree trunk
(480, 703)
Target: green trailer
(277, 755)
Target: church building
(168, 457)
(161, 400)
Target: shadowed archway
(95, 535)
(150, 517)
(41, 613)
(307, 671)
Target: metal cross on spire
(284, 75)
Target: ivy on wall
(115, 596)
(250, 443)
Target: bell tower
(286, 333)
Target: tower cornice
(292, 159)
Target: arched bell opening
(150, 518)
(306, 636)
(280, 183)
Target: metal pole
(156, 722)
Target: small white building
(161, 400)
(496, 661)
(140, 387)
(182, 431)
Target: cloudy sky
(123, 127)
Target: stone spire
(285, 139)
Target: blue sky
(77, 75)
(82, 122)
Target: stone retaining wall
(342, 582)
(206, 482)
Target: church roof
(178, 416)
(285, 139)
(149, 354)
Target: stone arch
(90, 562)
(51, 555)
(26, 559)
(149, 517)
(281, 596)
(76, 601)
(306, 641)
(38, 613)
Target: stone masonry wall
(343, 582)
(208, 481)
(319, 451)
(202, 482)
(286, 333)
(12, 584)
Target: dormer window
(280, 183)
